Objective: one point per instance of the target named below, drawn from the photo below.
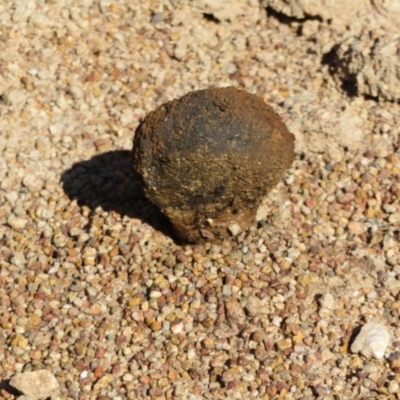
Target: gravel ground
(92, 286)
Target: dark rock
(207, 159)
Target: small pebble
(84, 374)
(328, 301)
(157, 17)
(17, 223)
(38, 384)
(234, 229)
(372, 340)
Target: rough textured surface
(387, 14)
(36, 384)
(339, 12)
(207, 159)
(226, 10)
(314, 134)
(366, 43)
(372, 61)
(372, 341)
(342, 14)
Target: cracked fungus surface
(211, 154)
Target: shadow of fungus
(5, 387)
(108, 181)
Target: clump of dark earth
(207, 159)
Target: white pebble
(234, 229)
(227, 290)
(16, 222)
(18, 259)
(15, 98)
(56, 129)
(11, 197)
(155, 294)
(277, 321)
(290, 179)
(32, 71)
(23, 10)
(389, 208)
(328, 301)
(76, 92)
(84, 374)
(262, 213)
(372, 340)
(248, 377)
(393, 387)
(191, 354)
(177, 329)
(127, 117)
(128, 377)
(32, 182)
(137, 316)
(166, 325)
(364, 161)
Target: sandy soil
(93, 288)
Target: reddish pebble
(144, 379)
(98, 372)
(100, 352)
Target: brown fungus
(207, 159)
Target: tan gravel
(92, 286)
